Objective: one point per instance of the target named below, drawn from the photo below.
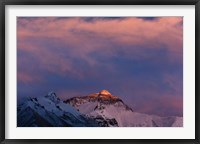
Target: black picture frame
(4, 3)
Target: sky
(138, 59)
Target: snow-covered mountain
(50, 111)
(103, 106)
(100, 109)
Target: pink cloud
(130, 31)
(162, 105)
(84, 36)
(173, 82)
(27, 78)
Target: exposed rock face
(103, 96)
(105, 122)
(105, 92)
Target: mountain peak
(104, 92)
(51, 94)
(53, 97)
(105, 95)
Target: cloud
(27, 78)
(165, 106)
(164, 31)
(79, 38)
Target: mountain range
(100, 109)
